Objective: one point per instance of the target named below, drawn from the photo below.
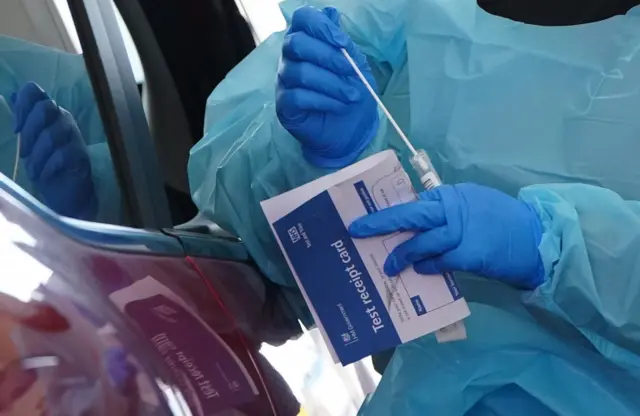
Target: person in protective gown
(533, 130)
(46, 99)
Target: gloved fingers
(119, 369)
(431, 195)
(35, 162)
(437, 265)
(414, 216)
(49, 140)
(291, 103)
(317, 24)
(422, 246)
(23, 103)
(309, 76)
(66, 183)
(63, 159)
(43, 115)
(301, 47)
(334, 15)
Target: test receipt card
(359, 310)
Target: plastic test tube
(419, 160)
(423, 167)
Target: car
(110, 320)
(140, 319)
(165, 313)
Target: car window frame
(132, 148)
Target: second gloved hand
(466, 227)
(121, 372)
(54, 154)
(319, 98)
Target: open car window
(53, 142)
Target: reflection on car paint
(96, 328)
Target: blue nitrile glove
(54, 154)
(319, 98)
(466, 227)
(121, 372)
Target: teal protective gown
(64, 77)
(506, 105)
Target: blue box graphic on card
(453, 287)
(335, 279)
(418, 306)
(365, 197)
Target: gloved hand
(54, 154)
(466, 227)
(121, 372)
(319, 98)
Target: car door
(98, 301)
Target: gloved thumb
(333, 14)
(339, 35)
(322, 25)
(345, 41)
(23, 102)
(437, 265)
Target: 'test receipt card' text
(360, 311)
